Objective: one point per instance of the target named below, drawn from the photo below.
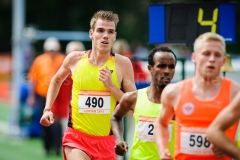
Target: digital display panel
(183, 23)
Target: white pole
(18, 24)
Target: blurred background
(26, 24)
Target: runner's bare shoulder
(172, 91)
(73, 57)
(128, 100)
(124, 64)
(122, 60)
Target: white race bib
(194, 141)
(94, 102)
(146, 129)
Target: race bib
(146, 129)
(94, 102)
(170, 131)
(194, 141)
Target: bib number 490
(199, 141)
(94, 102)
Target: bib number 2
(151, 127)
(146, 128)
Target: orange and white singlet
(92, 103)
(193, 116)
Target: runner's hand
(47, 119)
(166, 155)
(121, 148)
(218, 152)
(105, 76)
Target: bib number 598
(199, 141)
(94, 102)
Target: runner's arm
(126, 70)
(57, 80)
(225, 119)
(126, 104)
(165, 116)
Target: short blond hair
(104, 15)
(209, 36)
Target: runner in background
(41, 72)
(146, 105)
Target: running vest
(145, 114)
(193, 116)
(238, 137)
(92, 103)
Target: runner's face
(164, 68)
(103, 35)
(209, 58)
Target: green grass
(13, 148)
(4, 112)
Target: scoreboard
(184, 22)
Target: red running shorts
(96, 147)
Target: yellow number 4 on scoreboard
(211, 23)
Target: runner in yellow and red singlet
(99, 79)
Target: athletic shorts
(96, 147)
